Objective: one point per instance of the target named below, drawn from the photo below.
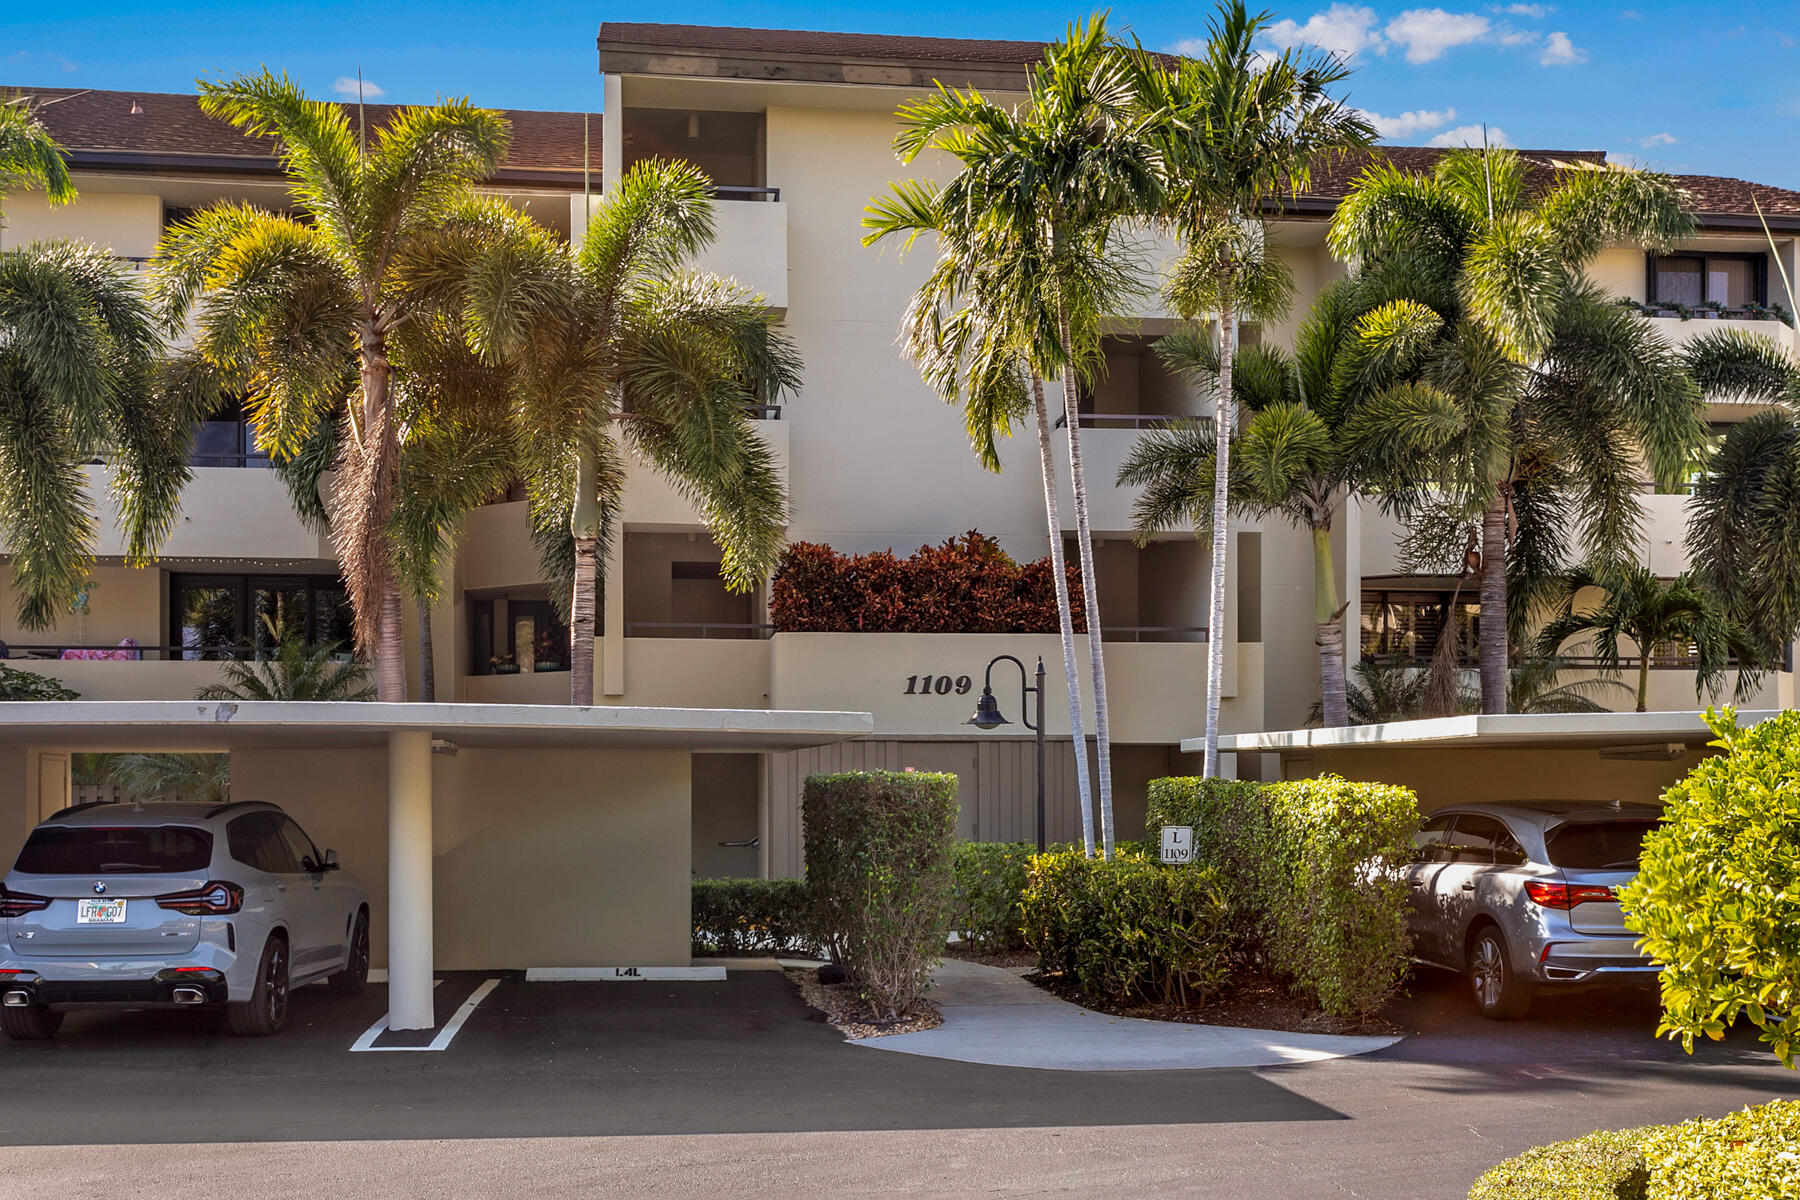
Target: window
(1728, 280)
(299, 846)
(255, 840)
(510, 636)
(1598, 845)
(161, 849)
(1478, 839)
(1428, 842)
(227, 439)
(225, 616)
(1407, 624)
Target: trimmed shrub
(1748, 1155)
(989, 878)
(29, 685)
(753, 916)
(1311, 875)
(1600, 1166)
(964, 585)
(1127, 929)
(878, 867)
(1717, 895)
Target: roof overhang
(267, 166)
(636, 58)
(196, 726)
(1512, 731)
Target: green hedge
(753, 916)
(989, 878)
(1310, 873)
(1717, 896)
(1127, 929)
(1748, 1155)
(878, 866)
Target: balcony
(226, 512)
(649, 498)
(752, 242)
(147, 679)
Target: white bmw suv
(174, 905)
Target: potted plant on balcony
(503, 664)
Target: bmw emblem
(99, 889)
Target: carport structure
(512, 836)
(1601, 757)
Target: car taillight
(209, 900)
(17, 904)
(1565, 895)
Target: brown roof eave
(263, 166)
(1777, 222)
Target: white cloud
(1536, 12)
(346, 86)
(1470, 135)
(1657, 139)
(1344, 29)
(1428, 32)
(1409, 123)
(1559, 51)
(1629, 14)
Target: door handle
(1469, 887)
(281, 887)
(1417, 883)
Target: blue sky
(1689, 87)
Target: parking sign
(1178, 844)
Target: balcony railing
(134, 652)
(697, 629)
(727, 191)
(1153, 633)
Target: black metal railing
(697, 629)
(1153, 633)
(764, 412)
(730, 191)
(1128, 420)
(246, 458)
(113, 652)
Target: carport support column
(409, 880)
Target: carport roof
(211, 725)
(1515, 730)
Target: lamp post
(987, 716)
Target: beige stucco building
(796, 130)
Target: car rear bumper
(171, 987)
(1592, 962)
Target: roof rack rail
(75, 808)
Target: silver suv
(1524, 897)
(184, 905)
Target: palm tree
(296, 671)
(1537, 684)
(615, 345)
(1051, 178)
(29, 156)
(195, 778)
(283, 301)
(1236, 126)
(80, 379)
(1561, 389)
(1325, 424)
(1657, 617)
(970, 328)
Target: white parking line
(366, 1043)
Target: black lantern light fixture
(988, 716)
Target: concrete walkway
(992, 1016)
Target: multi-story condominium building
(796, 131)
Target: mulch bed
(1251, 1000)
(844, 1009)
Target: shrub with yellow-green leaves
(1717, 895)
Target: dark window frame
(1759, 272)
(487, 643)
(246, 585)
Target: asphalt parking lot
(692, 1088)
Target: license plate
(100, 912)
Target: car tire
(351, 980)
(1499, 993)
(266, 1011)
(30, 1023)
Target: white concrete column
(409, 880)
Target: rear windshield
(1598, 845)
(91, 850)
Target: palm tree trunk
(390, 650)
(1221, 539)
(1329, 616)
(1090, 600)
(427, 668)
(1060, 574)
(1643, 679)
(584, 523)
(1493, 604)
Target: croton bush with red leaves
(966, 585)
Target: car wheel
(350, 980)
(1500, 995)
(266, 1011)
(30, 1022)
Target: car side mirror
(331, 860)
